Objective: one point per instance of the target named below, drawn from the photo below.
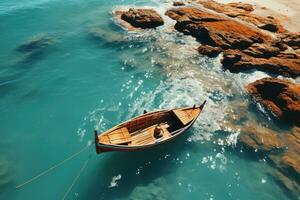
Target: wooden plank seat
(183, 116)
(122, 135)
(146, 136)
(118, 136)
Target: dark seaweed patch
(37, 43)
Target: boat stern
(98, 150)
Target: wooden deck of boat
(140, 137)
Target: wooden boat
(139, 133)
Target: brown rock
(236, 61)
(281, 97)
(241, 6)
(267, 23)
(262, 50)
(230, 9)
(291, 39)
(215, 30)
(243, 12)
(178, 3)
(288, 55)
(209, 50)
(141, 18)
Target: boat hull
(101, 148)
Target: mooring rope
(76, 178)
(43, 173)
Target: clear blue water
(52, 99)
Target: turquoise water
(52, 98)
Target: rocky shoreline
(246, 41)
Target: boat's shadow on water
(136, 169)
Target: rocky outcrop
(178, 3)
(209, 50)
(141, 18)
(291, 39)
(215, 30)
(231, 9)
(281, 97)
(245, 47)
(258, 50)
(243, 11)
(237, 61)
(241, 6)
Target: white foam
(114, 180)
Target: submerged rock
(33, 50)
(209, 50)
(290, 186)
(110, 37)
(215, 30)
(36, 43)
(281, 148)
(151, 191)
(141, 18)
(261, 139)
(290, 163)
(281, 97)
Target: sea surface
(94, 74)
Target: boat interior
(140, 131)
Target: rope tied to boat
(76, 178)
(45, 172)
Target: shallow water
(53, 97)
